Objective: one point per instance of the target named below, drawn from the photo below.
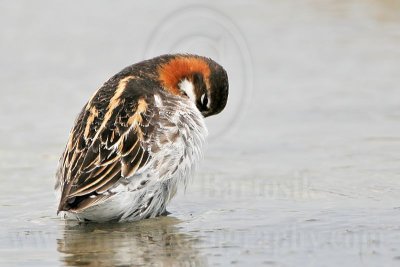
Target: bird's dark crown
(208, 81)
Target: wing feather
(99, 153)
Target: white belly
(147, 193)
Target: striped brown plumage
(127, 123)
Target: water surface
(302, 168)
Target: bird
(138, 138)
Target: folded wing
(106, 144)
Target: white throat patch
(188, 87)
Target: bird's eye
(204, 100)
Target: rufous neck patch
(172, 72)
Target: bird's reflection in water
(154, 242)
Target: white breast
(177, 143)
(179, 154)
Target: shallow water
(300, 170)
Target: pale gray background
(302, 168)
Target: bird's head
(199, 79)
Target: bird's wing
(106, 144)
